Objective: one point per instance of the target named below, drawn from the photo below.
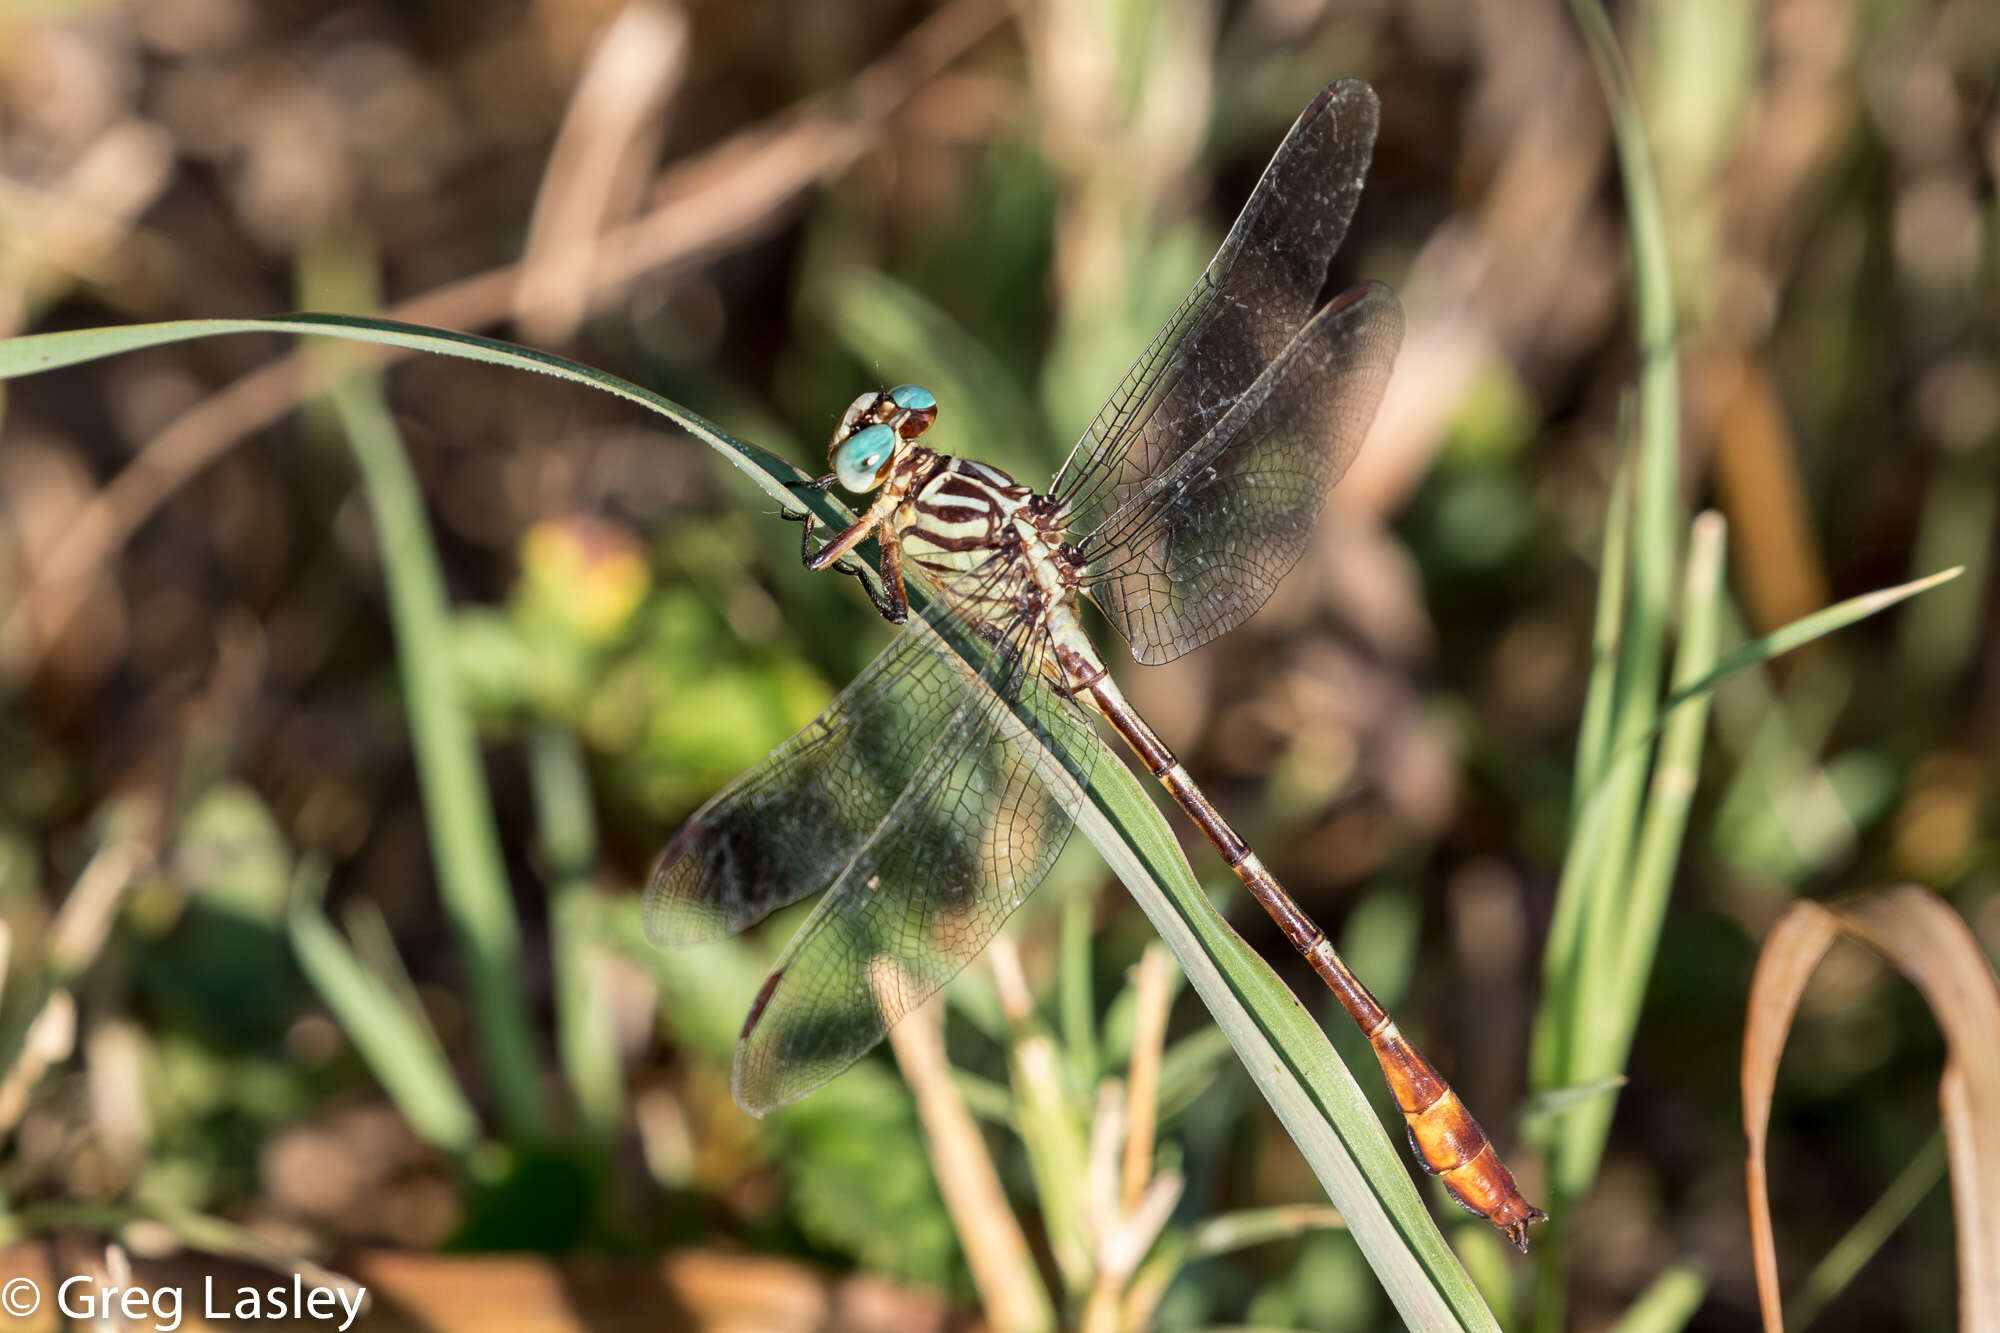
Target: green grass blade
(1654, 524)
(1561, 956)
(1657, 493)
(1284, 1050)
(1289, 1059)
(586, 1034)
(1614, 1012)
(1593, 743)
(1584, 964)
(1851, 1253)
(1778, 642)
(1240, 1230)
(397, 1043)
(1667, 1303)
(1077, 990)
(47, 351)
(1804, 630)
(458, 811)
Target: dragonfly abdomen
(1442, 1132)
(1446, 1138)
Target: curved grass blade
(1929, 943)
(1282, 1047)
(50, 351)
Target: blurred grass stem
(1142, 1080)
(586, 1033)
(1851, 1253)
(1666, 1305)
(1049, 1132)
(1003, 1269)
(465, 845)
(391, 1033)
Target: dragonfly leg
(863, 528)
(898, 598)
(891, 600)
(805, 516)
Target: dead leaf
(1928, 942)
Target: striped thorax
(995, 546)
(984, 537)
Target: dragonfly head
(873, 432)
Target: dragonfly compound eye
(869, 408)
(917, 409)
(860, 459)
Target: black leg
(805, 538)
(891, 602)
(821, 484)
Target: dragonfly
(935, 791)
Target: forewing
(1197, 548)
(1256, 293)
(785, 829)
(970, 836)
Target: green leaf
(232, 853)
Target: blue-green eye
(859, 460)
(913, 398)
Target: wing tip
(1348, 91)
(667, 921)
(754, 1075)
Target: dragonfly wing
(784, 830)
(1197, 548)
(1256, 293)
(971, 834)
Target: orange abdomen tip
(1455, 1149)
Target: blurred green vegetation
(243, 988)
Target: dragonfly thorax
(994, 544)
